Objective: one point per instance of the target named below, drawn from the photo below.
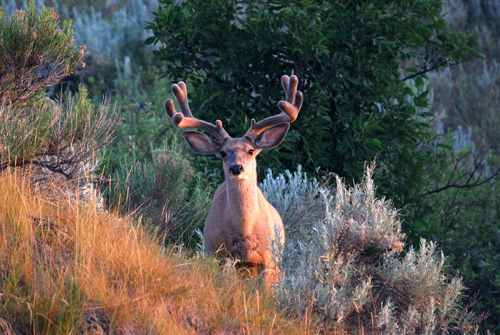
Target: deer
(241, 224)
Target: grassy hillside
(69, 267)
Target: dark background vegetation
(411, 84)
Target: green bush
(58, 136)
(144, 123)
(459, 208)
(36, 50)
(470, 237)
(150, 172)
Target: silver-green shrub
(352, 272)
(297, 199)
(60, 137)
(118, 36)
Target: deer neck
(243, 197)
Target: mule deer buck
(241, 223)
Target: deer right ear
(200, 143)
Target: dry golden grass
(74, 269)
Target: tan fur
(241, 222)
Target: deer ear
(200, 143)
(272, 137)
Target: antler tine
(180, 92)
(289, 109)
(186, 119)
(290, 87)
(294, 98)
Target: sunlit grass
(67, 268)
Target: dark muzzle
(236, 169)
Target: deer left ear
(272, 137)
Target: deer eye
(250, 152)
(222, 154)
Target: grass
(69, 267)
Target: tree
(361, 65)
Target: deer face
(238, 158)
(238, 154)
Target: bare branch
(473, 178)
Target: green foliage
(464, 220)
(144, 122)
(470, 236)
(165, 191)
(36, 50)
(350, 58)
(150, 168)
(24, 133)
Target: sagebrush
(36, 50)
(351, 270)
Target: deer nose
(236, 169)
